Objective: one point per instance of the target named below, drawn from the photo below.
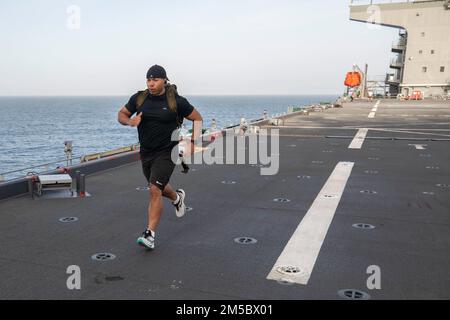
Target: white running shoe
(180, 207)
(147, 240)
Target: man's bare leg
(155, 206)
(168, 192)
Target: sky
(208, 47)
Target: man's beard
(157, 93)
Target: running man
(159, 112)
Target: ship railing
(399, 44)
(397, 62)
(58, 163)
(76, 159)
(36, 169)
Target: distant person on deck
(157, 117)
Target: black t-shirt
(158, 122)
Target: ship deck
(398, 182)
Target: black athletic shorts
(158, 168)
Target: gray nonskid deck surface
(196, 256)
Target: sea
(33, 129)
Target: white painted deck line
(374, 110)
(304, 246)
(358, 140)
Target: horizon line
(202, 95)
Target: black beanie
(156, 71)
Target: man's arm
(124, 118)
(197, 119)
